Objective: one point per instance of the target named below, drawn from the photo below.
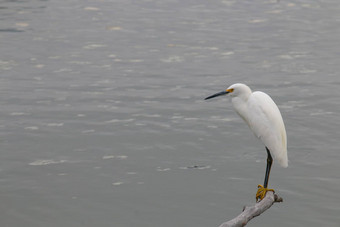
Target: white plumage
(264, 119)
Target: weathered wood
(253, 211)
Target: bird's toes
(261, 192)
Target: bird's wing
(266, 122)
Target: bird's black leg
(262, 190)
(269, 165)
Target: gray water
(103, 121)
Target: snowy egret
(263, 117)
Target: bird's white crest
(263, 117)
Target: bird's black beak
(217, 94)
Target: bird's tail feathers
(283, 159)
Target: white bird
(264, 119)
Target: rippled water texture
(103, 122)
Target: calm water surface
(103, 121)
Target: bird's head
(235, 90)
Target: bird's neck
(241, 107)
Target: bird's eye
(230, 90)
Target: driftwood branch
(253, 211)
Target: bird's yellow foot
(261, 192)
